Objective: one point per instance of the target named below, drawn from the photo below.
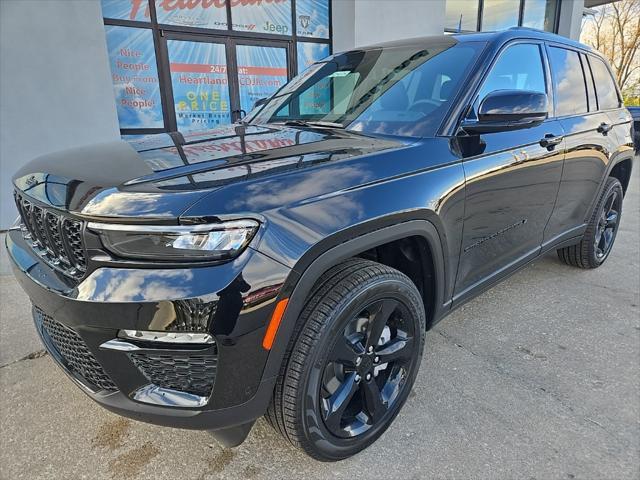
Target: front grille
(54, 237)
(187, 373)
(74, 352)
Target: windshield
(403, 90)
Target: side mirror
(260, 102)
(505, 110)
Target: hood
(160, 176)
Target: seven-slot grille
(74, 352)
(56, 238)
(187, 372)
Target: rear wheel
(598, 239)
(353, 362)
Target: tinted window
(518, 68)
(395, 91)
(568, 82)
(605, 86)
(591, 90)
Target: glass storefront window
(168, 58)
(137, 10)
(200, 84)
(261, 71)
(135, 77)
(309, 53)
(312, 18)
(540, 14)
(261, 17)
(205, 14)
(462, 15)
(500, 14)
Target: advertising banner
(137, 10)
(261, 71)
(262, 16)
(193, 13)
(313, 18)
(200, 84)
(135, 77)
(187, 13)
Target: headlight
(183, 242)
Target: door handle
(550, 141)
(604, 128)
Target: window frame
(545, 69)
(584, 80)
(591, 55)
(586, 66)
(161, 30)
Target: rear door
(583, 102)
(511, 180)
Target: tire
(345, 310)
(596, 244)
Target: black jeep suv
(290, 265)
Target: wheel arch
(338, 248)
(622, 171)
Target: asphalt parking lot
(538, 378)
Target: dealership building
(75, 72)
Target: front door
(511, 179)
(215, 81)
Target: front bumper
(239, 294)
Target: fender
(617, 157)
(299, 285)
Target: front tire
(598, 239)
(353, 360)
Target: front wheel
(353, 363)
(597, 242)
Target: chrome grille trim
(56, 238)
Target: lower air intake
(74, 352)
(193, 374)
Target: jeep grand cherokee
(290, 265)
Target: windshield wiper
(304, 123)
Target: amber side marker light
(274, 323)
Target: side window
(519, 67)
(591, 89)
(605, 85)
(568, 82)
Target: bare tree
(615, 32)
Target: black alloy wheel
(607, 224)
(595, 245)
(352, 360)
(366, 368)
